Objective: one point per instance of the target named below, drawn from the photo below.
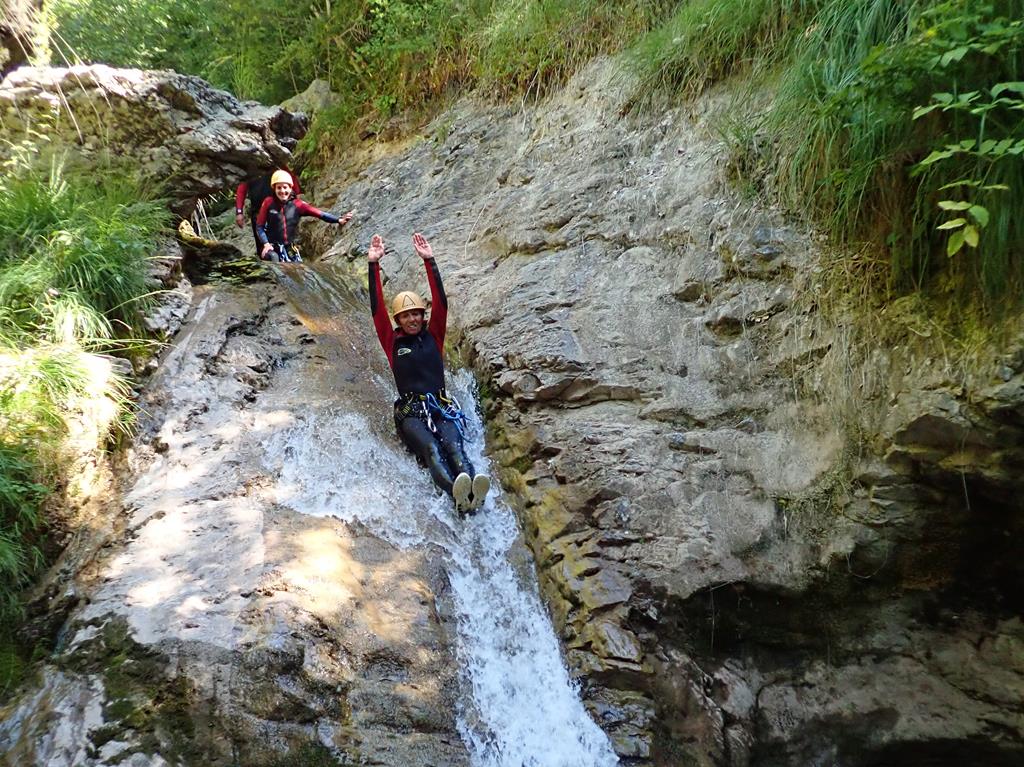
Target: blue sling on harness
(450, 410)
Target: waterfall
(520, 707)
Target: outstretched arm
(305, 209)
(381, 320)
(438, 300)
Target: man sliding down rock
(277, 224)
(429, 422)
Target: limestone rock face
(735, 581)
(177, 130)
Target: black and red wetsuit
(417, 363)
(256, 189)
(278, 222)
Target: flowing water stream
(519, 708)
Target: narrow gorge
(729, 529)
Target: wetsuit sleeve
(261, 221)
(295, 185)
(381, 320)
(438, 303)
(240, 193)
(305, 209)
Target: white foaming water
(524, 710)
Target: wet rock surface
(733, 580)
(221, 627)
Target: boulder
(317, 97)
(176, 130)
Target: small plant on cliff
(891, 116)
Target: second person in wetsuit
(277, 224)
(256, 189)
(428, 421)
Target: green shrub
(853, 155)
(72, 279)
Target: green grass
(36, 384)
(73, 250)
(73, 253)
(705, 41)
(527, 47)
(849, 149)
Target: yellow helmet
(406, 301)
(281, 177)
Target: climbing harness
(425, 406)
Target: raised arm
(381, 320)
(438, 300)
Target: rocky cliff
(761, 540)
(761, 543)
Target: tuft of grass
(36, 384)
(526, 47)
(73, 252)
(73, 258)
(705, 41)
(834, 125)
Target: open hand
(376, 251)
(423, 249)
(239, 220)
(346, 218)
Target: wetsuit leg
(453, 448)
(424, 445)
(256, 236)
